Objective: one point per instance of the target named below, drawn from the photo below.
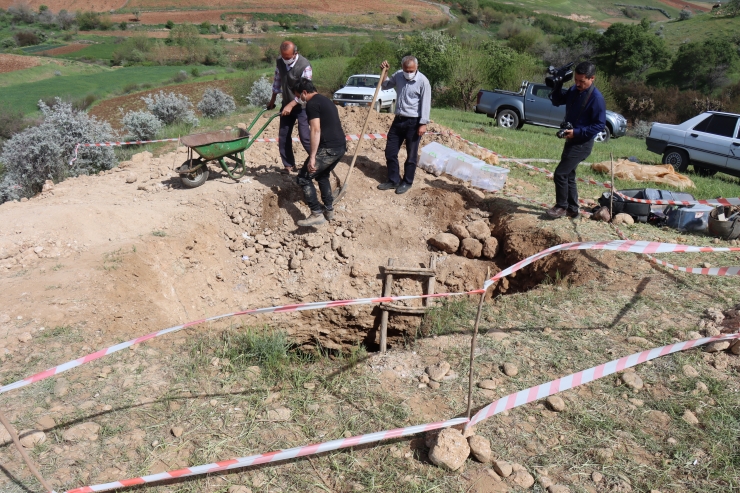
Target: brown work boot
(556, 212)
(312, 220)
(329, 214)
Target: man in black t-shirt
(328, 145)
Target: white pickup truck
(359, 90)
(710, 141)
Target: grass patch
(159, 233)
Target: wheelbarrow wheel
(194, 178)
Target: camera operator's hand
(568, 134)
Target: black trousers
(402, 131)
(326, 160)
(566, 192)
(285, 140)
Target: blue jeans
(403, 130)
(285, 141)
(326, 160)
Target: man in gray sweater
(412, 115)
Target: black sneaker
(403, 188)
(389, 185)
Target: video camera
(558, 76)
(563, 127)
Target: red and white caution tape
(279, 455)
(631, 246)
(503, 404)
(582, 377)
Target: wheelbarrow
(218, 146)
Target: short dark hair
(586, 68)
(304, 85)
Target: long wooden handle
(342, 190)
(23, 453)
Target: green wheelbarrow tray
(215, 146)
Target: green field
(598, 10)
(100, 81)
(699, 28)
(103, 51)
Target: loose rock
(596, 477)
(735, 348)
(479, 230)
(438, 371)
(556, 403)
(471, 248)
(450, 450)
(604, 454)
(690, 371)
(279, 414)
(31, 438)
(502, 468)
(459, 230)
(510, 369)
(690, 418)
(176, 431)
(24, 337)
(558, 488)
(622, 218)
(522, 479)
(632, 380)
(446, 242)
(490, 247)
(480, 448)
(131, 178)
(83, 431)
(716, 346)
(488, 384)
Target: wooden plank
(410, 310)
(431, 282)
(409, 271)
(384, 316)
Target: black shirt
(332, 135)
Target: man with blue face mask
(412, 115)
(289, 70)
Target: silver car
(710, 141)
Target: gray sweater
(414, 96)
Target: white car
(710, 141)
(359, 90)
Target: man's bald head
(287, 50)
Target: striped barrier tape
(276, 456)
(632, 246)
(505, 403)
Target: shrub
(685, 15)
(216, 103)
(331, 77)
(87, 21)
(8, 43)
(22, 12)
(65, 19)
(42, 152)
(26, 38)
(261, 92)
(405, 16)
(195, 72)
(122, 26)
(141, 125)
(642, 129)
(11, 121)
(171, 108)
(169, 25)
(181, 76)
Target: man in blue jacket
(585, 110)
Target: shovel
(340, 193)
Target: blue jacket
(592, 119)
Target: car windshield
(363, 81)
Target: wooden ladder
(390, 270)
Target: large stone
(438, 371)
(717, 346)
(459, 230)
(490, 247)
(488, 384)
(502, 468)
(622, 218)
(556, 403)
(450, 450)
(480, 448)
(632, 380)
(735, 348)
(510, 370)
(690, 418)
(479, 230)
(83, 431)
(446, 242)
(558, 488)
(690, 371)
(279, 414)
(131, 178)
(31, 438)
(471, 248)
(522, 478)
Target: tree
(634, 49)
(732, 8)
(435, 51)
(468, 6)
(369, 57)
(704, 65)
(468, 74)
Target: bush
(8, 43)
(141, 125)
(26, 38)
(261, 92)
(169, 25)
(641, 129)
(11, 121)
(171, 108)
(685, 15)
(65, 19)
(181, 76)
(42, 152)
(405, 16)
(331, 77)
(216, 103)
(22, 12)
(195, 72)
(88, 21)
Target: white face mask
(409, 76)
(291, 61)
(303, 101)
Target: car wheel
(603, 136)
(392, 109)
(508, 119)
(377, 106)
(702, 171)
(678, 158)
